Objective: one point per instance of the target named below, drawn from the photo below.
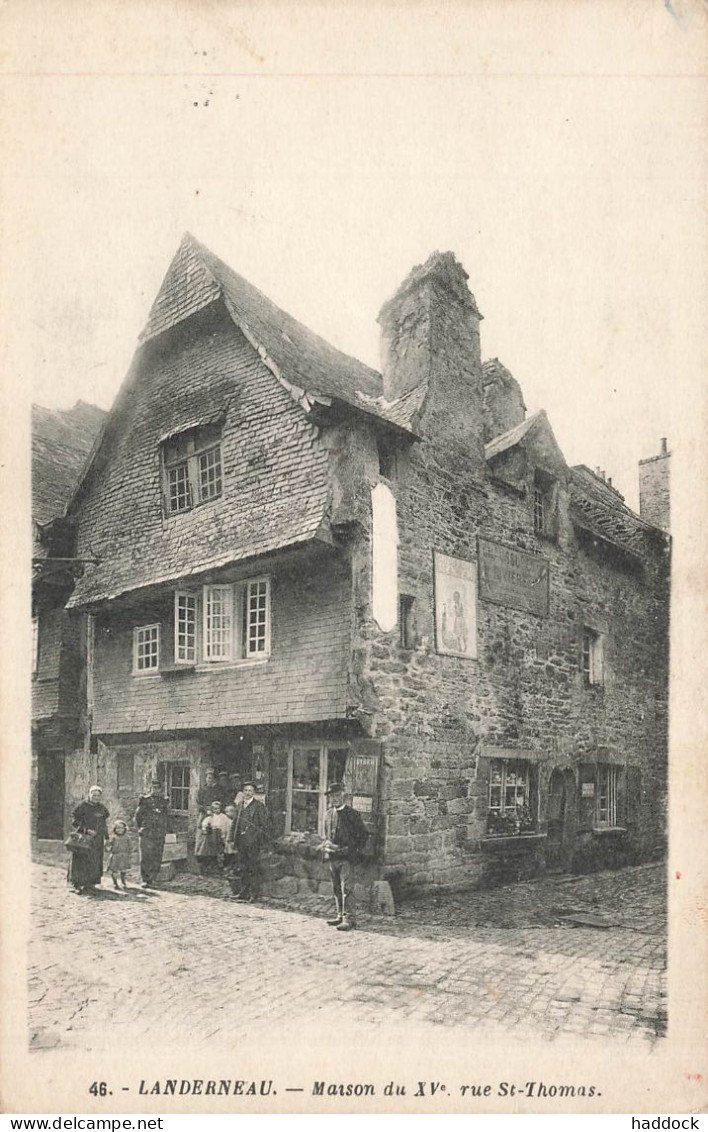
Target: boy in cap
(345, 837)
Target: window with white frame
(311, 771)
(191, 464)
(223, 622)
(35, 645)
(218, 622)
(178, 783)
(256, 607)
(146, 648)
(511, 797)
(606, 796)
(592, 657)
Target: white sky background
(566, 174)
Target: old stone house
(61, 443)
(309, 571)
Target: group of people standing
(91, 816)
(232, 829)
(230, 837)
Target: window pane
(186, 627)
(336, 765)
(257, 614)
(210, 473)
(178, 487)
(305, 811)
(219, 622)
(178, 782)
(147, 647)
(306, 769)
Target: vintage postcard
(353, 557)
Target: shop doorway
(560, 831)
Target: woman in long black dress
(86, 868)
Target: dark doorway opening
(560, 824)
(50, 795)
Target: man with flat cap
(249, 834)
(152, 818)
(345, 837)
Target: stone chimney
(430, 338)
(504, 406)
(654, 501)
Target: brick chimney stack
(654, 495)
(430, 338)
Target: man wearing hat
(345, 837)
(152, 818)
(249, 834)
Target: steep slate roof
(302, 360)
(595, 506)
(61, 443)
(537, 422)
(600, 510)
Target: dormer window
(191, 466)
(545, 504)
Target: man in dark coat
(249, 834)
(152, 818)
(345, 837)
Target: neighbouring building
(61, 443)
(307, 571)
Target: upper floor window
(234, 620)
(544, 504)
(191, 467)
(592, 657)
(146, 648)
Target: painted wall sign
(455, 606)
(513, 577)
(587, 790)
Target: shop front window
(511, 802)
(312, 769)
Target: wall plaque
(513, 577)
(455, 606)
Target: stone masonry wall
(654, 493)
(439, 715)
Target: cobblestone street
(581, 956)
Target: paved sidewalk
(105, 969)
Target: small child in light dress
(120, 853)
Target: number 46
(99, 1089)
